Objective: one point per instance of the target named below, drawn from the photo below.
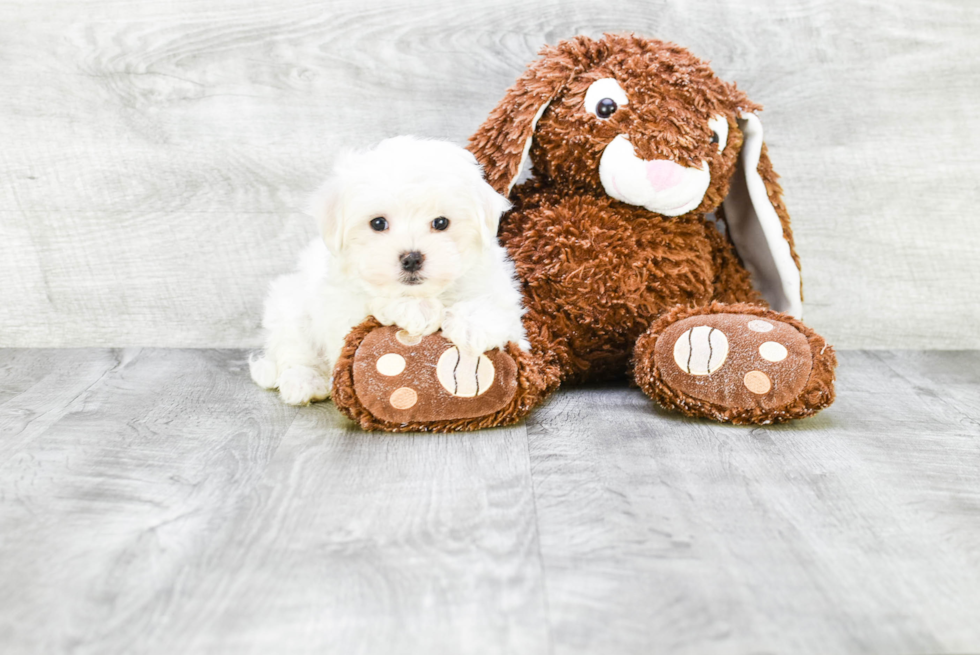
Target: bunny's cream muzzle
(660, 185)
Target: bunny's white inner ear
(527, 149)
(755, 228)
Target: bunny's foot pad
(736, 363)
(389, 380)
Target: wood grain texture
(157, 501)
(856, 531)
(156, 156)
(106, 506)
(358, 543)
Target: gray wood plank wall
(155, 156)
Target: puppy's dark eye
(605, 108)
(440, 223)
(714, 137)
(379, 224)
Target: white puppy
(409, 235)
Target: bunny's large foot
(735, 364)
(389, 380)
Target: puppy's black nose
(411, 261)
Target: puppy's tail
(263, 371)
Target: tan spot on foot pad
(391, 364)
(403, 398)
(757, 382)
(407, 339)
(400, 378)
(735, 360)
(772, 351)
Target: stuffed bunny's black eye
(440, 223)
(604, 97)
(605, 108)
(379, 224)
(719, 132)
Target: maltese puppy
(409, 235)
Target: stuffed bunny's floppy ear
(503, 142)
(759, 225)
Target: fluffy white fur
(466, 285)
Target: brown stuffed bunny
(649, 241)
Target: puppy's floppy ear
(759, 224)
(489, 205)
(326, 207)
(503, 142)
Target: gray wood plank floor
(155, 501)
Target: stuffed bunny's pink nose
(664, 174)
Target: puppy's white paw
(473, 335)
(418, 316)
(301, 385)
(263, 372)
